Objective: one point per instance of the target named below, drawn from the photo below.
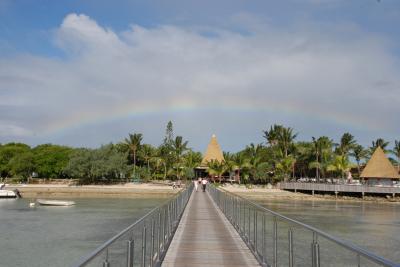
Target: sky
(87, 73)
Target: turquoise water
(373, 226)
(59, 236)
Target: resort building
(213, 152)
(379, 170)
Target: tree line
(280, 157)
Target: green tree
(322, 150)
(133, 142)
(8, 152)
(396, 151)
(216, 169)
(241, 163)
(340, 165)
(147, 152)
(359, 153)
(22, 165)
(50, 160)
(379, 142)
(285, 167)
(347, 143)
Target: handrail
(169, 214)
(232, 215)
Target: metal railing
(276, 240)
(145, 242)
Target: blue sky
(85, 73)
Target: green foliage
(9, 158)
(340, 165)
(50, 160)
(279, 159)
(105, 164)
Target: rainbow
(145, 108)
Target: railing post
(275, 242)
(255, 230)
(264, 252)
(315, 251)
(144, 247)
(248, 222)
(159, 236)
(105, 262)
(131, 249)
(152, 243)
(290, 236)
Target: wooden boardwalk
(206, 238)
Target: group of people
(201, 181)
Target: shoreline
(95, 191)
(260, 194)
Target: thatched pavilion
(379, 170)
(213, 152)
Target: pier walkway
(205, 237)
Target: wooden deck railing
(339, 188)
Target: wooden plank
(206, 238)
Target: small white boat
(49, 202)
(7, 194)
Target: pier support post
(362, 195)
(131, 250)
(313, 192)
(394, 195)
(336, 193)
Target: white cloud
(10, 130)
(338, 77)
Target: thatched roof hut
(213, 152)
(379, 167)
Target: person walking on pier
(204, 182)
(196, 184)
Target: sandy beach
(129, 190)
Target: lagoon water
(59, 236)
(373, 226)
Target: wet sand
(129, 190)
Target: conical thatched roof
(379, 167)
(213, 152)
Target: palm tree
(322, 149)
(347, 142)
(285, 166)
(272, 134)
(147, 152)
(179, 147)
(316, 165)
(158, 162)
(241, 162)
(190, 161)
(285, 140)
(396, 152)
(340, 164)
(379, 142)
(216, 168)
(134, 144)
(358, 154)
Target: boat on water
(51, 202)
(8, 194)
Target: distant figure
(173, 185)
(196, 184)
(204, 182)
